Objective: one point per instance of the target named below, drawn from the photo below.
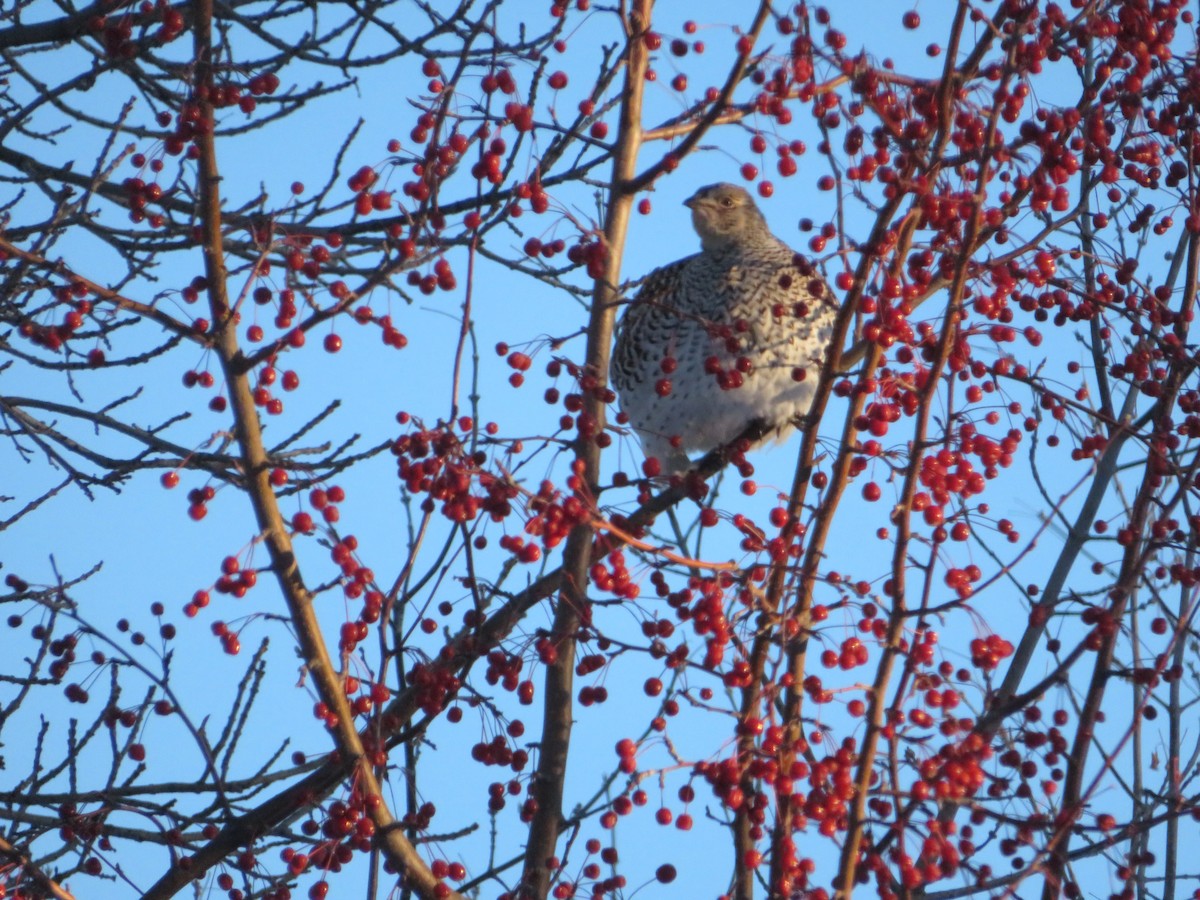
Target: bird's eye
(727, 202)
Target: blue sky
(150, 551)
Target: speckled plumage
(731, 329)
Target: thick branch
(275, 534)
(558, 701)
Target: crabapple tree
(331, 567)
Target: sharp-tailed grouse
(731, 336)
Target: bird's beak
(691, 201)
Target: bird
(729, 337)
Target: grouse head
(725, 217)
